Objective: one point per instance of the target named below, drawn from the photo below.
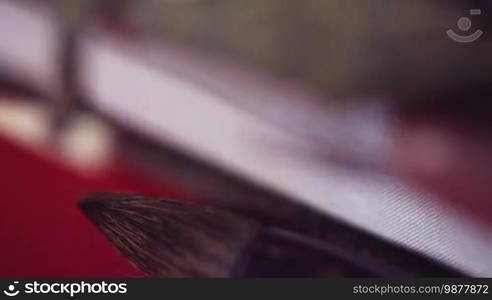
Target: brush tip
(93, 202)
(102, 201)
(169, 238)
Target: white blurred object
(87, 142)
(29, 45)
(25, 122)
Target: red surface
(42, 232)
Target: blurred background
(369, 112)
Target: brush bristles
(166, 238)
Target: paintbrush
(169, 238)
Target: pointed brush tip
(96, 201)
(164, 237)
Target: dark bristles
(167, 238)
